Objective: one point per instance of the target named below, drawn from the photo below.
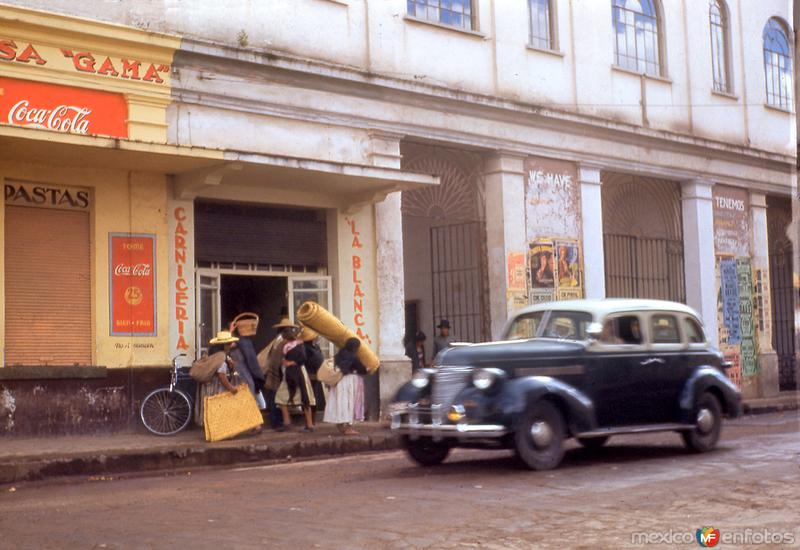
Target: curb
(765, 406)
(768, 408)
(126, 461)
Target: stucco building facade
(405, 162)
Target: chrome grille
(447, 383)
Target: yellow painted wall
(122, 201)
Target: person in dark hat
(444, 339)
(414, 344)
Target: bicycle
(167, 410)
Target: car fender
(407, 393)
(578, 409)
(708, 378)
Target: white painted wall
(376, 38)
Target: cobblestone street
(637, 486)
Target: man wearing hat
(443, 340)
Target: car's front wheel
(708, 420)
(425, 451)
(539, 438)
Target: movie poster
(516, 272)
(542, 265)
(568, 265)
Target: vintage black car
(588, 369)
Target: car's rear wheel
(593, 442)
(539, 438)
(425, 451)
(708, 419)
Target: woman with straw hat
(220, 347)
(295, 388)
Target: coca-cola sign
(132, 285)
(135, 270)
(63, 118)
(62, 108)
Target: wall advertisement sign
(64, 109)
(132, 284)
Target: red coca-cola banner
(133, 284)
(64, 109)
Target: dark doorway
(412, 317)
(265, 296)
(779, 216)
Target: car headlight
(483, 379)
(421, 379)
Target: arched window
(637, 29)
(720, 50)
(777, 65)
(542, 24)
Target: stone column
(594, 261)
(395, 366)
(699, 255)
(505, 228)
(768, 376)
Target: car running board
(605, 432)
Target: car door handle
(652, 361)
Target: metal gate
(780, 270)
(638, 267)
(459, 279)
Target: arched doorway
(444, 242)
(643, 238)
(779, 217)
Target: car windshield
(562, 325)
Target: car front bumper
(417, 422)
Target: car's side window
(664, 329)
(694, 332)
(622, 330)
(525, 326)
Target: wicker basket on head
(246, 324)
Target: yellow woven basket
(227, 415)
(322, 321)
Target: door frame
(218, 272)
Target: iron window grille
(777, 65)
(637, 40)
(453, 13)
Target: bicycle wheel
(165, 412)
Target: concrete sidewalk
(785, 401)
(29, 459)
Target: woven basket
(322, 321)
(227, 415)
(246, 324)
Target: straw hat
(224, 337)
(285, 323)
(307, 335)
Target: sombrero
(224, 337)
(285, 323)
